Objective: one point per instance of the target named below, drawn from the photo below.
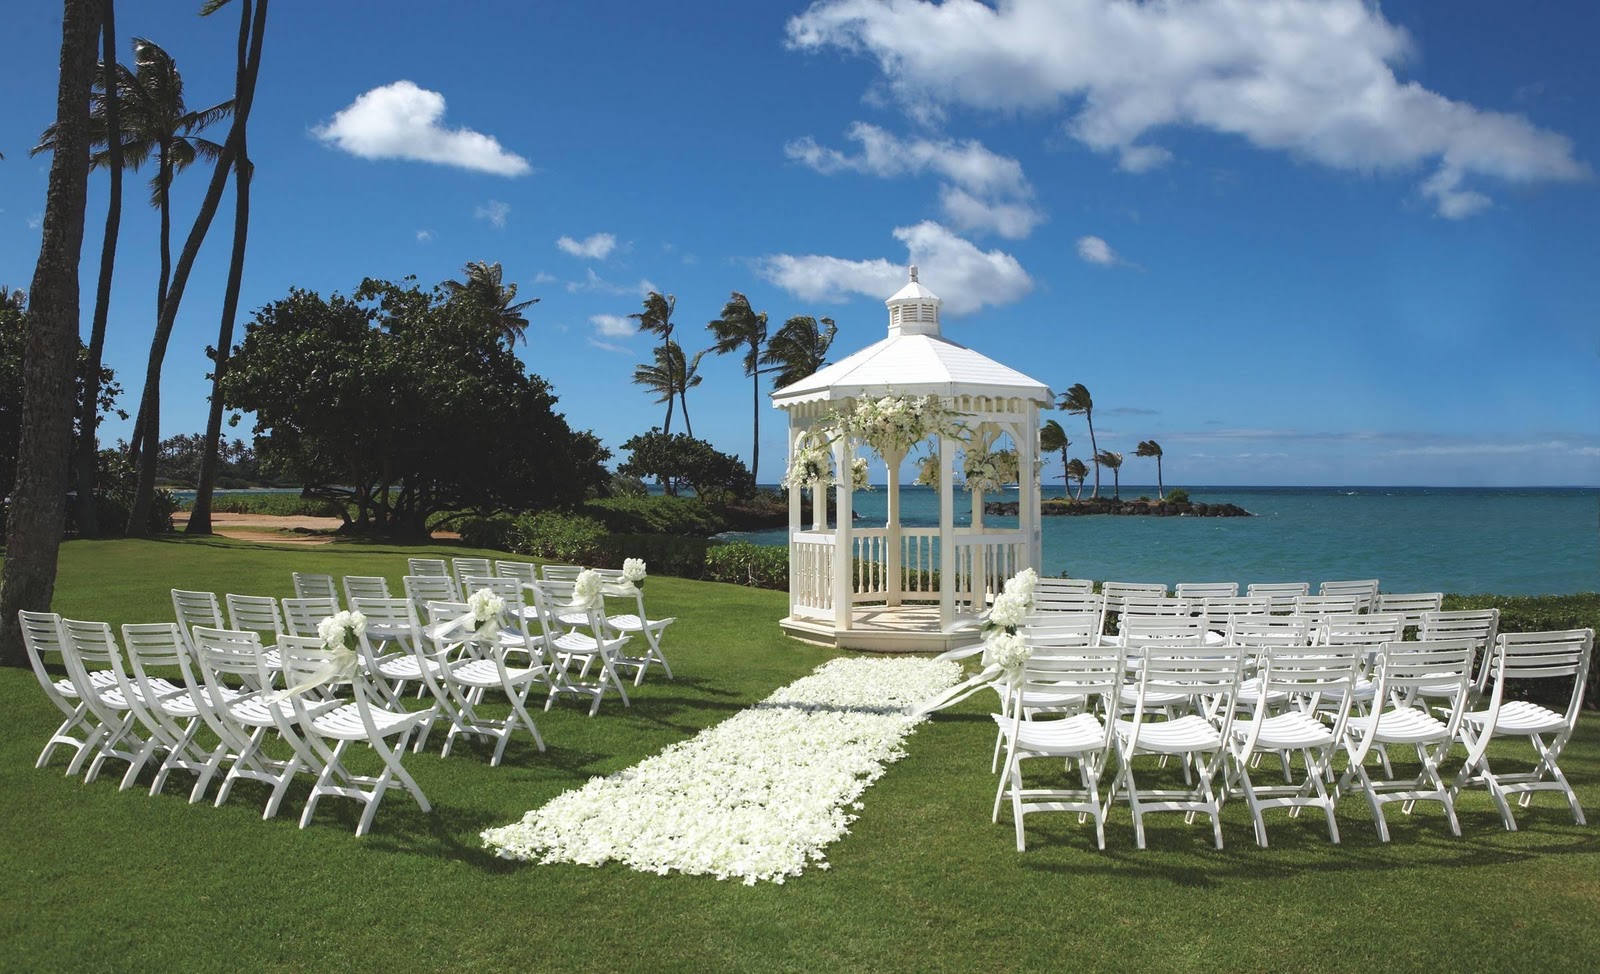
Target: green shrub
(1177, 495)
(743, 563)
(1541, 613)
(663, 554)
(272, 505)
(685, 516)
(622, 485)
(488, 532)
(568, 538)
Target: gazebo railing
(919, 563)
(811, 574)
(983, 563)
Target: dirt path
(271, 529)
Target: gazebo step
(880, 637)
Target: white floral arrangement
(892, 425)
(810, 467)
(486, 608)
(633, 572)
(989, 472)
(588, 590)
(859, 474)
(758, 797)
(340, 631)
(928, 471)
(1006, 650)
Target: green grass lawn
(105, 880)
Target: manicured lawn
(106, 880)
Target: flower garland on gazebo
(890, 425)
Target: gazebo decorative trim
(873, 587)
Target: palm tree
(1077, 402)
(1052, 438)
(244, 91)
(150, 404)
(741, 327)
(12, 298)
(37, 508)
(1112, 462)
(656, 318)
(1150, 448)
(799, 349)
(107, 139)
(669, 376)
(1077, 471)
(496, 302)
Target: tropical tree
(799, 349)
(1076, 470)
(1150, 448)
(1112, 462)
(683, 461)
(743, 328)
(1052, 438)
(38, 500)
(244, 90)
(670, 376)
(656, 319)
(1077, 402)
(150, 403)
(495, 301)
(12, 298)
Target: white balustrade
(811, 574)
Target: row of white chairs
(1411, 608)
(1221, 705)
(1281, 595)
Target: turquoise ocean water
(1529, 541)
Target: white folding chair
(636, 623)
(1084, 673)
(1047, 634)
(1064, 586)
(1046, 604)
(1280, 594)
(1479, 625)
(525, 572)
(228, 667)
(363, 720)
(259, 614)
(469, 567)
(1563, 654)
(1364, 590)
(1220, 611)
(41, 636)
(422, 589)
(560, 573)
(470, 665)
(1319, 607)
(1206, 590)
(193, 608)
(1410, 606)
(427, 566)
(1115, 592)
(311, 586)
(1207, 673)
(365, 587)
(1296, 681)
(569, 648)
(1403, 667)
(169, 713)
(302, 616)
(392, 645)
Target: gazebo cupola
(894, 587)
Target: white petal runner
(757, 797)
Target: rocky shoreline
(1105, 505)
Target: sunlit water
(1413, 539)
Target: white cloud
(403, 121)
(494, 211)
(984, 191)
(545, 278)
(610, 346)
(1312, 78)
(36, 221)
(966, 277)
(613, 326)
(596, 246)
(424, 235)
(593, 282)
(1096, 251)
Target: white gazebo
(872, 587)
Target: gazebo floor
(884, 629)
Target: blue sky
(1295, 242)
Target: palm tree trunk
(200, 512)
(1161, 490)
(89, 421)
(38, 499)
(141, 421)
(1094, 448)
(1116, 479)
(139, 515)
(755, 445)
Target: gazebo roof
(915, 359)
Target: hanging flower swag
(810, 467)
(989, 471)
(891, 425)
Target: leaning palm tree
(493, 302)
(105, 126)
(1078, 402)
(668, 376)
(799, 349)
(742, 328)
(1052, 438)
(1077, 471)
(656, 319)
(1112, 462)
(1150, 448)
(37, 505)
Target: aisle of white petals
(757, 797)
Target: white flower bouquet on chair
(1003, 648)
(340, 634)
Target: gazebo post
(894, 584)
(947, 535)
(1028, 483)
(796, 513)
(843, 548)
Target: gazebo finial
(913, 272)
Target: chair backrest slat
(311, 586)
(302, 616)
(259, 613)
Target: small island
(1063, 507)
